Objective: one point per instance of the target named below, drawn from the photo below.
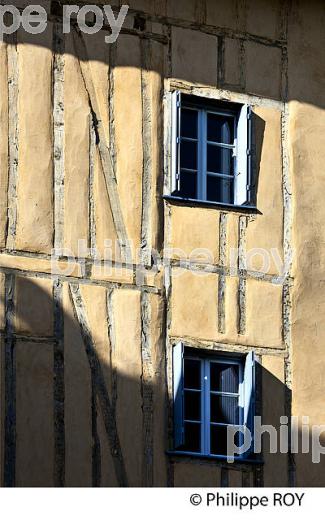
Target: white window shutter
(243, 153)
(175, 138)
(178, 356)
(249, 391)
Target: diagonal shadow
(41, 425)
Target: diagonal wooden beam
(103, 148)
(100, 387)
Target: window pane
(220, 129)
(188, 184)
(189, 155)
(192, 405)
(192, 373)
(224, 377)
(219, 160)
(220, 190)
(192, 432)
(218, 440)
(189, 123)
(224, 409)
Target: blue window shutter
(175, 137)
(249, 392)
(178, 356)
(243, 153)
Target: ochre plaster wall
(86, 350)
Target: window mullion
(204, 155)
(206, 407)
(202, 406)
(200, 173)
(199, 151)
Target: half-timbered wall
(86, 397)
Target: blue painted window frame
(241, 179)
(246, 395)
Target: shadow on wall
(84, 396)
(294, 55)
(84, 391)
(77, 408)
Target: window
(210, 393)
(211, 150)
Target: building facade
(161, 230)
